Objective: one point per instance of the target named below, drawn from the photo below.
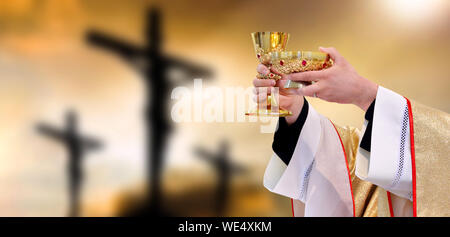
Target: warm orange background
(46, 67)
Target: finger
(283, 76)
(311, 90)
(280, 83)
(263, 82)
(334, 54)
(261, 68)
(306, 76)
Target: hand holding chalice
(270, 51)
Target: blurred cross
(77, 146)
(224, 169)
(155, 67)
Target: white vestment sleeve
(287, 180)
(388, 164)
(317, 174)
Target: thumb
(334, 54)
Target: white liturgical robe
(323, 164)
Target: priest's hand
(289, 99)
(339, 83)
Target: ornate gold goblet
(287, 62)
(270, 48)
(267, 43)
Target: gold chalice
(270, 48)
(287, 62)
(265, 44)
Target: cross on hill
(155, 66)
(224, 168)
(77, 146)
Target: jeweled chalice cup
(270, 51)
(267, 43)
(288, 62)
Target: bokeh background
(46, 67)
